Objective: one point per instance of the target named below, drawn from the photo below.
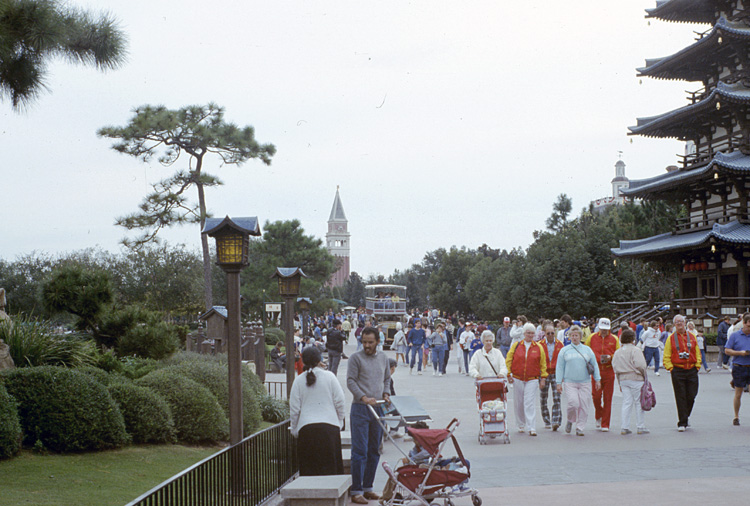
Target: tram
(387, 304)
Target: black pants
(685, 385)
(445, 361)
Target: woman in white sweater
(316, 407)
(629, 365)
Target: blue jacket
(416, 337)
(721, 336)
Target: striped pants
(556, 409)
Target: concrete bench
(346, 439)
(346, 455)
(331, 490)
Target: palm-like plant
(32, 32)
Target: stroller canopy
(429, 439)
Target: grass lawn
(93, 479)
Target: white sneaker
(681, 429)
(419, 373)
(605, 429)
(411, 371)
(440, 374)
(658, 374)
(434, 373)
(598, 423)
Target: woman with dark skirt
(316, 406)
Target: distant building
(620, 182)
(337, 241)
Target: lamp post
(304, 305)
(459, 289)
(232, 241)
(289, 280)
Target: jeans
(577, 396)
(466, 361)
(334, 359)
(416, 354)
(438, 359)
(703, 360)
(652, 353)
(631, 400)
(504, 350)
(366, 435)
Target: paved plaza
(707, 464)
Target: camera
(684, 355)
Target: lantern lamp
(232, 240)
(289, 280)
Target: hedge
(10, 426)
(215, 376)
(197, 414)
(65, 410)
(148, 418)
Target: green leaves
(33, 32)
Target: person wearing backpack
(630, 366)
(683, 359)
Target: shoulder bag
(589, 365)
(648, 397)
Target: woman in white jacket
(316, 407)
(488, 362)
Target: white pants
(631, 400)
(578, 396)
(525, 395)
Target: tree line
(567, 269)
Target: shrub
(10, 427)
(140, 332)
(214, 375)
(148, 418)
(274, 335)
(107, 361)
(32, 343)
(136, 367)
(196, 412)
(66, 410)
(101, 377)
(274, 410)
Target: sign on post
(273, 308)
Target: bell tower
(337, 241)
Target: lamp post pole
(232, 239)
(289, 334)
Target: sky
(443, 123)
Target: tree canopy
(33, 32)
(197, 132)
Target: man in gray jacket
(368, 378)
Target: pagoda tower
(712, 243)
(337, 241)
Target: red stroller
(440, 478)
(492, 407)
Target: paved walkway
(708, 464)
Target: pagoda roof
(337, 211)
(678, 122)
(733, 232)
(694, 62)
(735, 162)
(684, 11)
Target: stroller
(440, 478)
(492, 407)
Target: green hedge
(274, 410)
(196, 412)
(65, 410)
(274, 335)
(215, 377)
(10, 426)
(148, 418)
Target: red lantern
(690, 267)
(705, 266)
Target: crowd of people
(580, 359)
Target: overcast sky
(444, 123)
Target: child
(417, 455)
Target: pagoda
(712, 242)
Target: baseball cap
(506, 319)
(604, 323)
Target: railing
(276, 389)
(717, 306)
(716, 215)
(245, 474)
(385, 306)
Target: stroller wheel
(476, 500)
(448, 502)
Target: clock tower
(337, 241)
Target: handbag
(648, 397)
(589, 365)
